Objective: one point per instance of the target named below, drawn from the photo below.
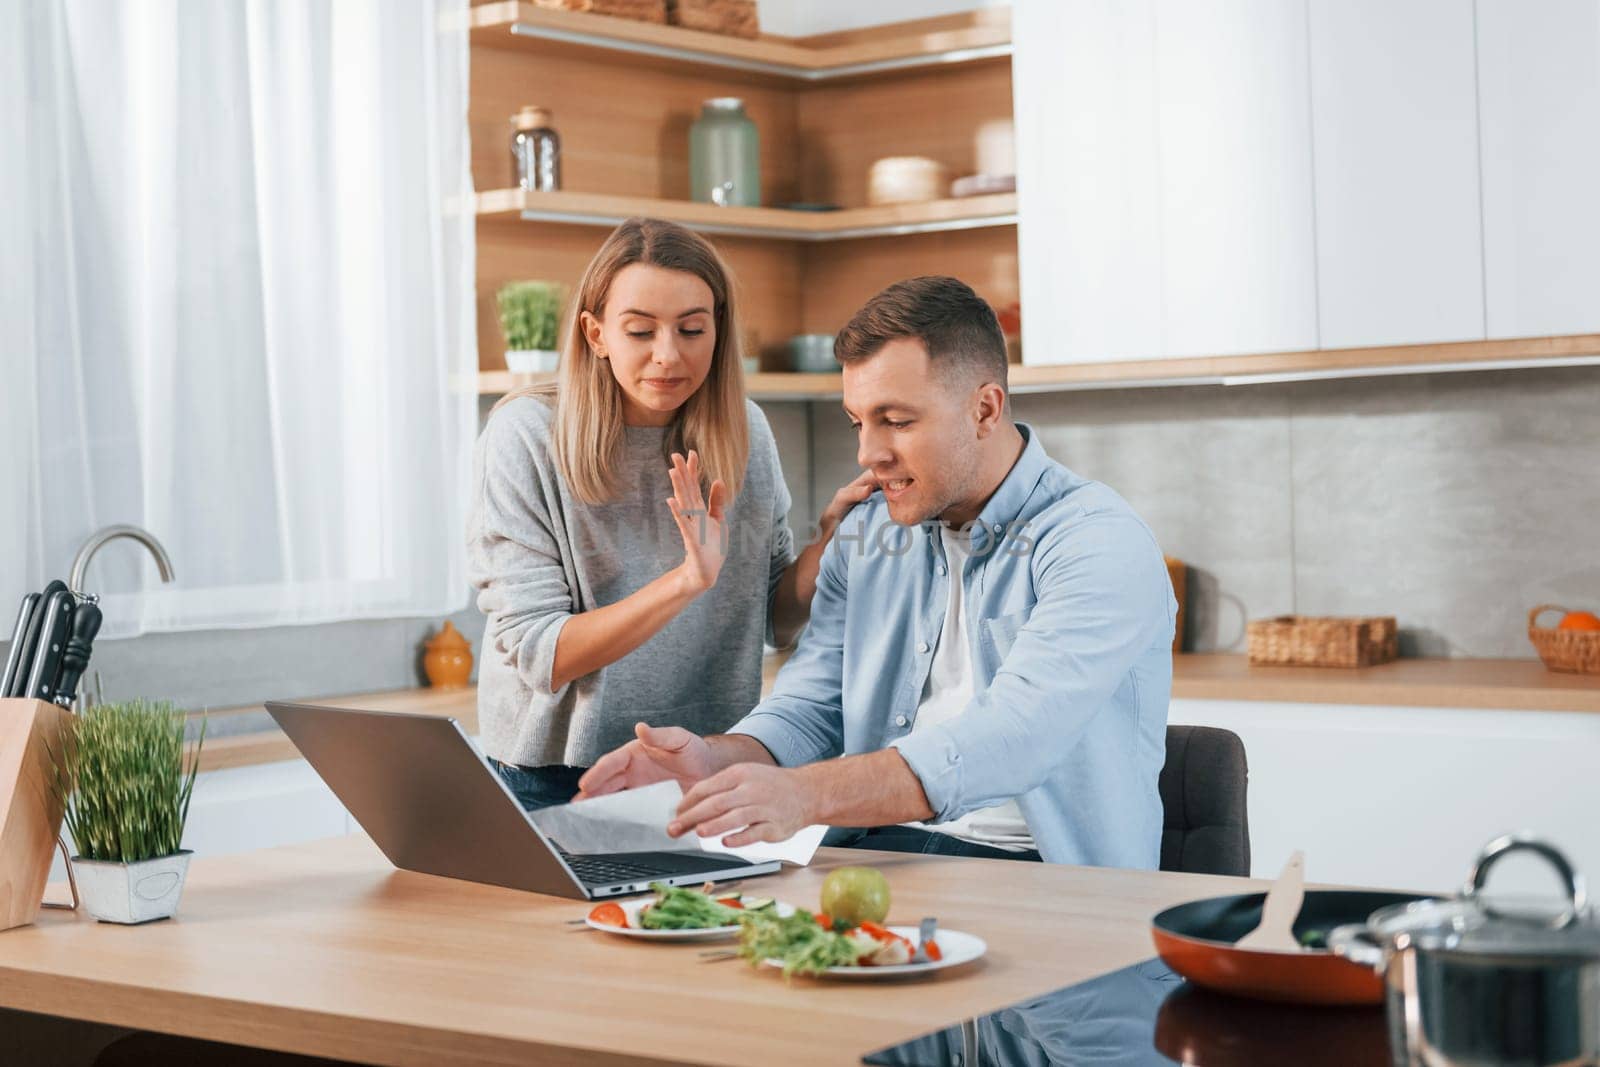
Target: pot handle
(1577, 892)
(1354, 942)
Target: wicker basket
(1307, 641)
(731, 18)
(638, 10)
(1571, 651)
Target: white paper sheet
(635, 820)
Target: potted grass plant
(530, 315)
(125, 786)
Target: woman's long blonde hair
(588, 431)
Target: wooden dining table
(328, 950)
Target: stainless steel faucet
(80, 562)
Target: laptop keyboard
(602, 871)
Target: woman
(629, 535)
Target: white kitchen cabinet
(1404, 797)
(1087, 179)
(1238, 269)
(1164, 169)
(242, 809)
(1539, 99)
(1395, 149)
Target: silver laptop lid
(433, 803)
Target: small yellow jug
(448, 660)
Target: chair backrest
(1206, 827)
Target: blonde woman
(629, 537)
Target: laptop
(433, 803)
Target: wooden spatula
(1276, 929)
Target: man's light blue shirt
(1069, 618)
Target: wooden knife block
(30, 811)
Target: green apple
(854, 895)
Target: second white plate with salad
(955, 949)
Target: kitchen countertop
(325, 949)
(1505, 684)
(271, 745)
(1502, 684)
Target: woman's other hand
(845, 499)
(702, 523)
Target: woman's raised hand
(702, 522)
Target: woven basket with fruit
(1572, 645)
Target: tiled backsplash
(1453, 501)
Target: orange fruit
(1579, 620)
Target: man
(988, 663)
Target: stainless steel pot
(1470, 983)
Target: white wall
(801, 18)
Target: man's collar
(1006, 503)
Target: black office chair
(1206, 827)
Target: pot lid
(1502, 926)
(1521, 928)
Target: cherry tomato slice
(609, 915)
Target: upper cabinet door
(1539, 97)
(1164, 170)
(1084, 93)
(1394, 127)
(1238, 269)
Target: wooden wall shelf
(1266, 368)
(594, 209)
(982, 36)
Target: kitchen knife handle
(52, 643)
(30, 640)
(75, 659)
(14, 664)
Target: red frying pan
(1197, 940)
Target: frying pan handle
(1571, 880)
(1354, 942)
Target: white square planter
(131, 892)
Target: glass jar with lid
(725, 155)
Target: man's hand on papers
(769, 802)
(657, 754)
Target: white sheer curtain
(236, 305)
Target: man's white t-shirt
(946, 695)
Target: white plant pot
(131, 892)
(532, 360)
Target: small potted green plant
(125, 786)
(530, 316)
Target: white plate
(955, 948)
(632, 908)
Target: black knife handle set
(50, 645)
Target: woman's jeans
(540, 787)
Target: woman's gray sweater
(539, 555)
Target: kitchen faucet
(97, 540)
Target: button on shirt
(1070, 621)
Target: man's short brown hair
(955, 325)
